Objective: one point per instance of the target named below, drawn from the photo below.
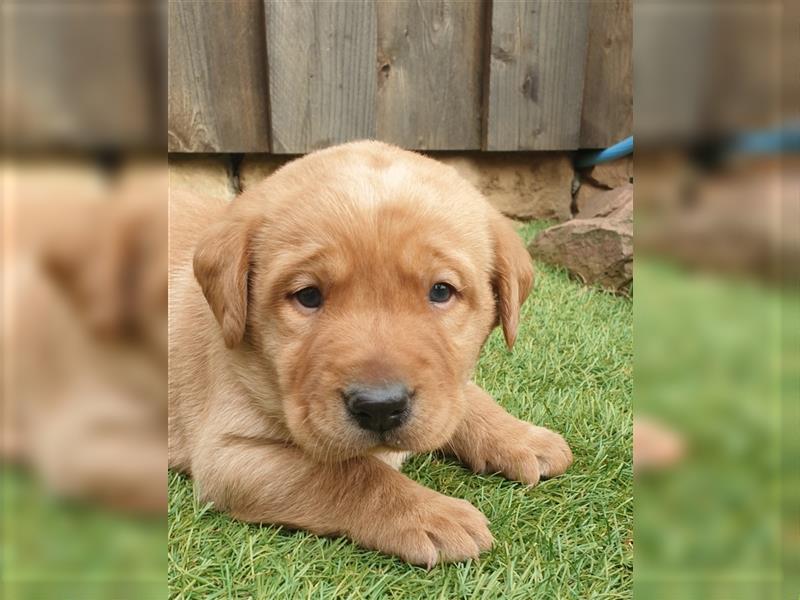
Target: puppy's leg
(92, 452)
(491, 440)
(363, 498)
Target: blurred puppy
(84, 402)
(324, 325)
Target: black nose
(378, 408)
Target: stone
(612, 174)
(598, 250)
(743, 220)
(585, 191)
(521, 185)
(207, 176)
(601, 203)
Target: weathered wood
(608, 89)
(429, 73)
(292, 76)
(79, 75)
(217, 77)
(536, 72)
(322, 74)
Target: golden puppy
(325, 325)
(84, 403)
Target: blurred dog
(84, 402)
(325, 324)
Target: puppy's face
(366, 287)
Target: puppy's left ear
(512, 277)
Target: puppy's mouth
(390, 440)
(395, 439)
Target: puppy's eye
(441, 292)
(309, 297)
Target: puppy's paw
(532, 454)
(551, 450)
(436, 529)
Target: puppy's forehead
(358, 193)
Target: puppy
(85, 402)
(326, 324)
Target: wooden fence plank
(81, 75)
(608, 89)
(536, 72)
(322, 73)
(217, 77)
(429, 73)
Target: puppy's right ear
(221, 265)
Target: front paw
(432, 528)
(551, 450)
(529, 455)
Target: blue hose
(784, 140)
(618, 150)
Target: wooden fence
(293, 76)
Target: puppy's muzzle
(378, 409)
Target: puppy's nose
(378, 408)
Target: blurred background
(84, 259)
(716, 308)
(516, 95)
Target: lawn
(54, 549)
(570, 537)
(709, 364)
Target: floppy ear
(512, 277)
(221, 264)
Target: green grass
(708, 363)
(52, 548)
(569, 537)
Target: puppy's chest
(393, 459)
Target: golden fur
(84, 339)
(256, 415)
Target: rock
(257, 167)
(208, 176)
(601, 203)
(584, 193)
(742, 220)
(599, 249)
(520, 185)
(612, 174)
